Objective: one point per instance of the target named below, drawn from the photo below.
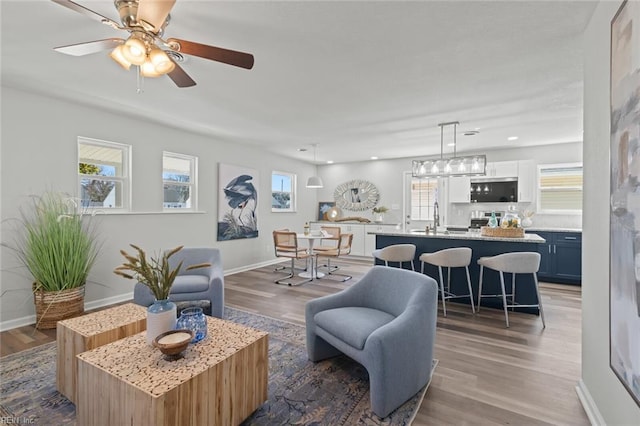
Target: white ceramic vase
(161, 317)
(526, 222)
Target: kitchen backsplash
(460, 215)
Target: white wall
(387, 176)
(39, 152)
(612, 400)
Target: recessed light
(512, 138)
(374, 158)
(451, 144)
(329, 161)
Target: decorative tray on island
(502, 232)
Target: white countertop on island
(528, 237)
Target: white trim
(31, 319)
(589, 405)
(293, 193)
(254, 266)
(125, 297)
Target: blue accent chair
(196, 284)
(387, 323)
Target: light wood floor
(487, 374)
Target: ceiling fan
(145, 20)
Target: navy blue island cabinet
(561, 257)
(480, 246)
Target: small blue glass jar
(193, 319)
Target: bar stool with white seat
(513, 263)
(398, 253)
(457, 257)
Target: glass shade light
(148, 70)
(314, 182)
(474, 165)
(116, 55)
(161, 61)
(134, 51)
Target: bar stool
(513, 263)
(396, 253)
(458, 257)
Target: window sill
(122, 213)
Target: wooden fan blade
(180, 77)
(90, 47)
(231, 57)
(154, 12)
(86, 12)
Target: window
(179, 181)
(104, 174)
(283, 192)
(560, 188)
(424, 193)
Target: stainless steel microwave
(503, 190)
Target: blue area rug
(331, 392)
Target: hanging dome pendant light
(314, 181)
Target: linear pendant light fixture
(473, 165)
(314, 181)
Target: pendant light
(314, 181)
(473, 165)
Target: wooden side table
(220, 380)
(80, 334)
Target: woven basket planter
(502, 232)
(54, 306)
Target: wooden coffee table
(219, 381)
(76, 335)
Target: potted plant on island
(157, 274)
(379, 212)
(58, 244)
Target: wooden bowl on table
(173, 342)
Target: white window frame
(193, 181)
(294, 185)
(428, 207)
(539, 189)
(124, 179)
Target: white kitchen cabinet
(502, 169)
(357, 229)
(362, 244)
(526, 181)
(370, 240)
(459, 189)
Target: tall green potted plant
(58, 244)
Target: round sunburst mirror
(357, 195)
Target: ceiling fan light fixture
(161, 61)
(147, 69)
(116, 55)
(135, 51)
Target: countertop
(528, 237)
(543, 229)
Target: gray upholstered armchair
(196, 284)
(386, 322)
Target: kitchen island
(481, 246)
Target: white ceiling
(358, 78)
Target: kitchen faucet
(436, 217)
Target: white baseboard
(589, 405)
(254, 266)
(31, 319)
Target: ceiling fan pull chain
(139, 80)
